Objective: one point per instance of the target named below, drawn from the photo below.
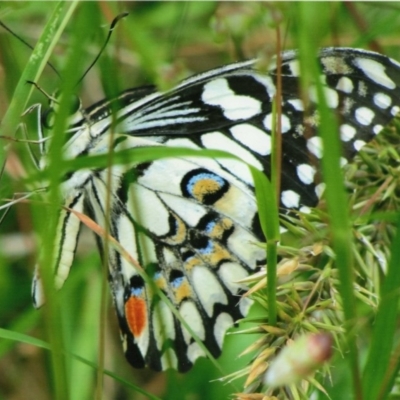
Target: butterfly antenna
(1, 176)
(27, 44)
(112, 26)
(52, 98)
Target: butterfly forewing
(192, 222)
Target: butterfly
(192, 222)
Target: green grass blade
(333, 178)
(51, 33)
(269, 219)
(377, 377)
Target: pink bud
(299, 358)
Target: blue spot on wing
(208, 249)
(204, 186)
(157, 275)
(136, 286)
(204, 176)
(176, 278)
(177, 282)
(210, 227)
(137, 292)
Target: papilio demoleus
(197, 217)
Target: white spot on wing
(244, 246)
(244, 305)
(306, 173)
(163, 324)
(395, 110)
(169, 359)
(223, 322)
(231, 272)
(294, 67)
(218, 141)
(218, 93)
(191, 315)
(375, 71)
(358, 144)
(148, 209)
(194, 351)
(290, 199)
(189, 211)
(319, 189)
(364, 115)
(314, 145)
(285, 123)
(347, 132)
(67, 243)
(126, 235)
(297, 104)
(382, 100)
(377, 129)
(208, 289)
(181, 142)
(256, 139)
(331, 96)
(267, 82)
(345, 85)
(37, 290)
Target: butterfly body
(192, 222)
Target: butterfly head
(75, 113)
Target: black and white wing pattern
(191, 222)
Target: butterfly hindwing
(195, 246)
(66, 241)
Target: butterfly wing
(230, 110)
(194, 235)
(192, 222)
(65, 244)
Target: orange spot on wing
(136, 315)
(183, 292)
